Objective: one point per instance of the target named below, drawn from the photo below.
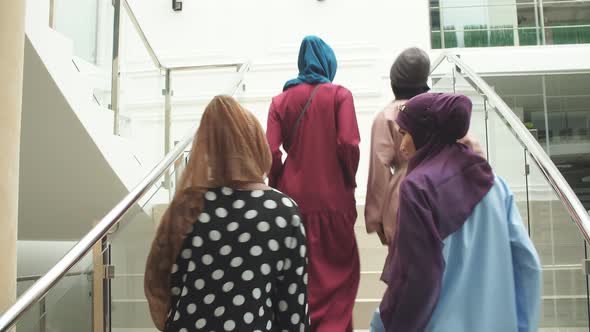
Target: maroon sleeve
(275, 139)
(348, 136)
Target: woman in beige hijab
(229, 254)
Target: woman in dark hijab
(462, 259)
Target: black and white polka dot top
(243, 266)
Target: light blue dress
(492, 277)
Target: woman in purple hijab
(462, 260)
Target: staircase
(106, 164)
(70, 134)
(564, 298)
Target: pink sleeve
(275, 139)
(473, 143)
(348, 136)
(380, 161)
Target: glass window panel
(567, 103)
(567, 35)
(488, 17)
(571, 123)
(462, 18)
(516, 85)
(77, 19)
(528, 37)
(567, 22)
(451, 39)
(477, 3)
(524, 95)
(435, 18)
(475, 36)
(436, 40)
(561, 249)
(525, 16)
(567, 85)
(486, 24)
(502, 37)
(566, 13)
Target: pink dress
(319, 174)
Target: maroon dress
(319, 174)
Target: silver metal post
(106, 289)
(542, 11)
(167, 112)
(545, 111)
(43, 313)
(454, 79)
(167, 123)
(115, 74)
(487, 124)
(537, 26)
(442, 27)
(52, 14)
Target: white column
(12, 36)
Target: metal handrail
(561, 187)
(204, 67)
(40, 288)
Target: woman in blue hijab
(317, 63)
(315, 122)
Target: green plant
(502, 35)
(569, 35)
(527, 37)
(435, 39)
(450, 37)
(476, 36)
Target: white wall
(268, 33)
(366, 37)
(253, 28)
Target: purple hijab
(445, 181)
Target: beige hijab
(229, 148)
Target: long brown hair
(229, 148)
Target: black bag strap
(294, 132)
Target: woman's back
(491, 271)
(319, 171)
(242, 267)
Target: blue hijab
(317, 63)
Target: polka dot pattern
(239, 204)
(219, 311)
(242, 267)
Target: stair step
(363, 312)
(372, 259)
(566, 311)
(371, 286)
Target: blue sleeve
(527, 271)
